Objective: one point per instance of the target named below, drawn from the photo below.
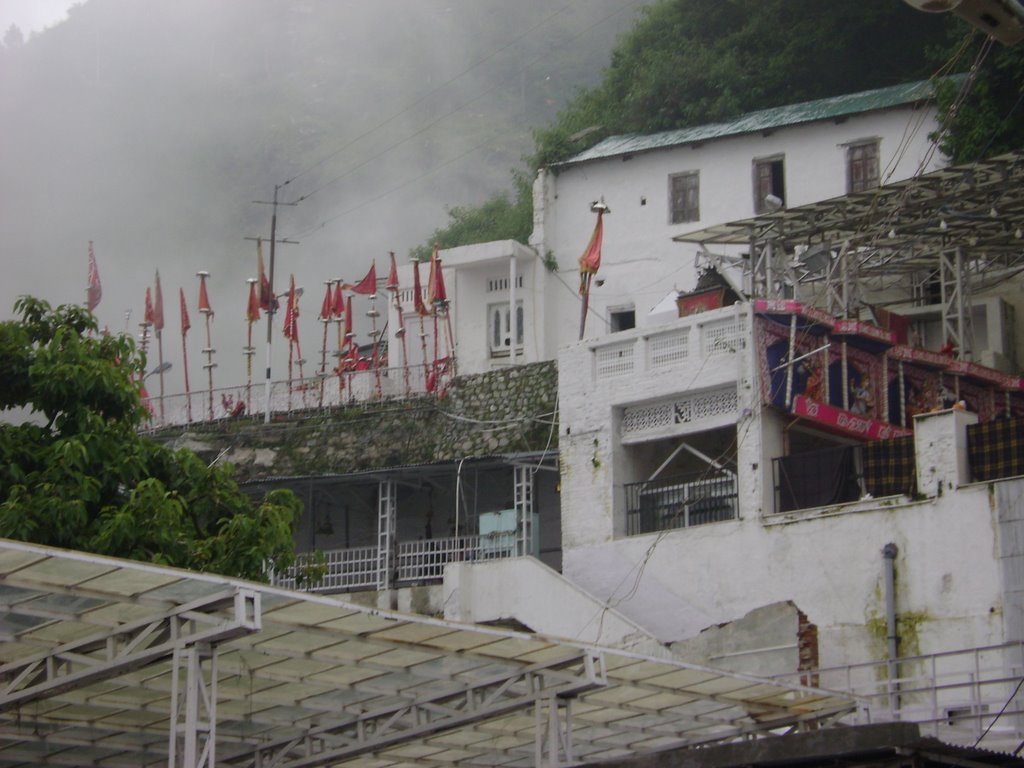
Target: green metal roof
(762, 120)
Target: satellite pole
(270, 311)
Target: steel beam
(108, 654)
(476, 702)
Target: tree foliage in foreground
(84, 478)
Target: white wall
(640, 263)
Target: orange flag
(392, 284)
(368, 285)
(327, 308)
(291, 313)
(185, 324)
(590, 261)
(417, 288)
(204, 298)
(252, 309)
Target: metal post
(386, 514)
(523, 501)
(193, 736)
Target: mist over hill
(150, 129)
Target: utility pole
(270, 278)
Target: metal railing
(310, 394)
(680, 502)
(958, 696)
(425, 560)
(340, 570)
(334, 570)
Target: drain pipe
(889, 552)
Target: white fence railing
(339, 570)
(288, 398)
(972, 696)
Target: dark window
(685, 188)
(769, 179)
(622, 319)
(862, 166)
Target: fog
(150, 128)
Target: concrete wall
(503, 411)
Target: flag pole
(207, 313)
(325, 318)
(590, 261)
(400, 333)
(185, 325)
(373, 314)
(249, 350)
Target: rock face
(504, 411)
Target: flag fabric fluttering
(417, 288)
(185, 323)
(94, 291)
(252, 309)
(158, 305)
(392, 284)
(590, 261)
(147, 315)
(268, 302)
(368, 285)
(291, 314)
(338, 307)
(437, 292)
(204, 297)
(327, 308)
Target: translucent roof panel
(363, 687)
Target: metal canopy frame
(958, 230)
(264, 677)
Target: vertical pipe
(789, 366)
(512, 315)
(889, 553)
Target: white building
(658, 187)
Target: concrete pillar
(940, 444)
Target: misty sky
(150, 128)
(32, 15)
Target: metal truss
(523, 502)
(129, 646)
(477, 701)
(387, 516)
(193, 734)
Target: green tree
(986, 119)
(79, 475)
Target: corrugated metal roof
(762, 120)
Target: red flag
(267, 301)
(94, 292)
(418, 290)
(147, 316)
(436, 291)
(590, 261)
(392, 284)
(158, 306)
(204, 299)
(348, 319)
(252, 310)
(185, 324)
(368, 285)
(338, 306)
(291, 314)
(328, 306)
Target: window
(862, 166)
(499, 329)
(769, 179)
(621, 319)
(685, 194)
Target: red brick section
(807, 649)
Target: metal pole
(270, 309)
(889, 553)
